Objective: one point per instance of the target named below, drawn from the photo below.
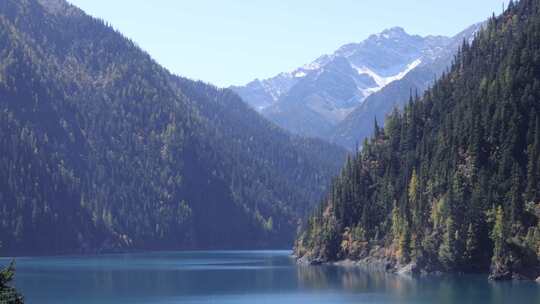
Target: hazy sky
(229, 42)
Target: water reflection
(243, 277)
(353, 279)
(430, 289)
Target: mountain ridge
(358, 125)
(316, 98)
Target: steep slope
(102, 149)
(358, 125)
(450, 184)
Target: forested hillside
(102, 149)
(452, 182)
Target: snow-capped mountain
(359, 123)
(316, 97)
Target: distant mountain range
(337, 96)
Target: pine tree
(471, 246)
(8, 294)
(413, 195)
(404, 251)
(499, 235)
(376, 128)
(532, 163)
(447, 250)
(516, 200)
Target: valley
(399, 168)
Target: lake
(242, 277)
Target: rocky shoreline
(377, 264)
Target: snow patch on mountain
(381, 80)
(300, 74)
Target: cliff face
(451, 183)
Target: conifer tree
(8, 294)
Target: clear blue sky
(228, 42)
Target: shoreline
(387, 265)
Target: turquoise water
(242, 277)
